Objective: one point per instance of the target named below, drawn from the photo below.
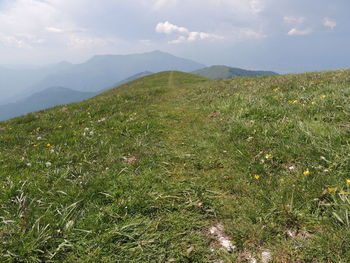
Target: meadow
(142, 172)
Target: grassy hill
(224, 72)
(144, 172)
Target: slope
(224, 72)
(141, 173)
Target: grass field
(142, 172)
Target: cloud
(168, 28)
(298, 32)
(294, 20)
(329, 23)
(54, 30)
(185, 35)
(145, 41)
(256, 6)
(179, 40)
(84, 42)
(160, 4)
(247, 33)
(12, 41)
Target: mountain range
(95, 74)
(33, 89)
(54, 96)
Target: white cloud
(11, 41)
(247, 33)
(54, 30)
(256, 6)
(179, 40)
(329, 23)
(145, 41)
(294, 20)
(29, 23)
(185, 35)
(298, 32)
(83, 42)
(168, 28)
(160, 4)
(238, 7)
(22, 41)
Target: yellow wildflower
(323, 96)
(268, 156)
(257, 177)
(348, 181)
(313, 103)
(307, 172)
(331, 189)
(276, 89)
(48, 145)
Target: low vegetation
(144, 172)
(224, 72)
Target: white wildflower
(102, 120)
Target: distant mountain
(224, 72)
(53, 97)
(14, 81)
(96, 73)
(43, 100)
(129, 79)
(106, 70)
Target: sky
(281, 35)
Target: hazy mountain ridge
(53, 97)
(98, 72)
(15, 83)
(43, 100)
(106, 70)
(224, 72)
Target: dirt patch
(130, 159)
(222, 239)
(296, 234)
(214, 115)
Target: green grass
(140, 173)
(224, 72)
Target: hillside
(178, 168)
(224, 72)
